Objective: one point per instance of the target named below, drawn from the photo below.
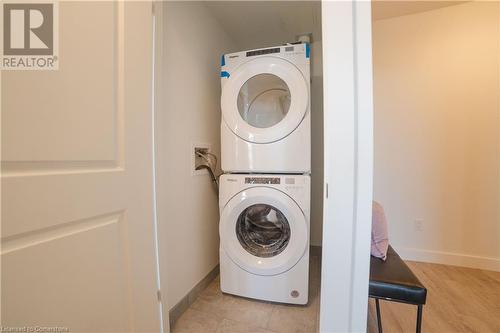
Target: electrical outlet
(418, 224)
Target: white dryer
(266, 118)
(264, 236)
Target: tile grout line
(270, 316)
(219, 325)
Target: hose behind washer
(212, 175)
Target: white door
(264, 100)
(78, 244)
(263, 231)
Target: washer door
(263, 231)
(264, 100)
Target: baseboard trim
(181, 306)
(449, 258)
(315, 250)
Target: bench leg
(419, 319)
(379, 318)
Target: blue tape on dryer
(224, 74)
(308, 50)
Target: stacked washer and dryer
(264, 196)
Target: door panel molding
(25, 160)
(12, 169)
(35, 237)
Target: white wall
(187, 204)
(436, 78)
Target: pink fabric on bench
(380, 239)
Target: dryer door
(263, 231)
(264, 100)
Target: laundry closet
(199, 50)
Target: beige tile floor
(216, 312)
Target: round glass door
(263, 230)
(264, 100)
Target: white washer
(264, 236)
(266, 118)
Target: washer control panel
(262, 180)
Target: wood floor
(458, 300)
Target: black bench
(392, 280)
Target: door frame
(157, 102)
(348, 165)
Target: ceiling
(383, 9)
(255, 24)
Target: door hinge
(326, 191)
(158, 295)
